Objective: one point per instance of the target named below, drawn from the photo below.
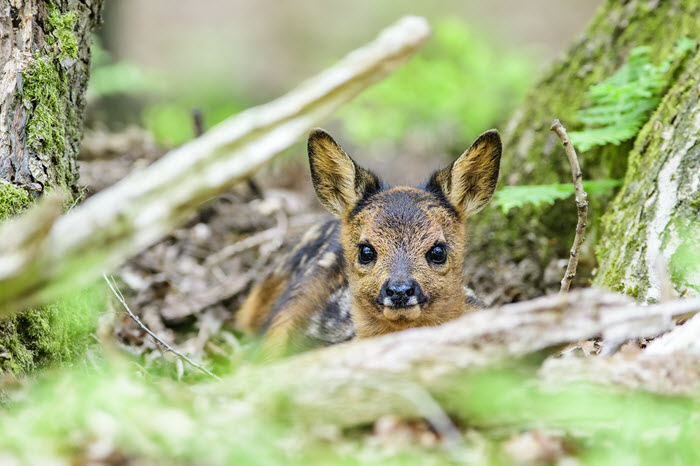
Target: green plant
(621, 104)
(108, 78)
(460, 83)
(517, 196)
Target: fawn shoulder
(392, 258)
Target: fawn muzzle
(401, 299)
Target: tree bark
(654, 222)
(45, 63)
(532, 155)
(44, 70)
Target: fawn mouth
(408, 313)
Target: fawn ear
(339, 182)
(469, 182)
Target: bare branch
(120, 297)
(682, 338)
(581, 204)
(325, 383)
(137, 211)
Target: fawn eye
(366, 254)
(437, 255)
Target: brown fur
(323, 291)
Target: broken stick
(581, 204)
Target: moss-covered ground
(13, 200)
(121, 414)
(54, 335)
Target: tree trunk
(45, 62)
(532, 155)
(655, 219)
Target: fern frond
(622, 103)
(518, 196)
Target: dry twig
(197, 121)
(120, 297)
(581, 204)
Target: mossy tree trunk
(532, 154)
(654, 221)
(45, 63)
(44, 70)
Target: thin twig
(78, 198)
(250, 242)
(120, 297)
(581, 204)
(197, 121)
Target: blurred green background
(154, 61)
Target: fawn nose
(401, 293)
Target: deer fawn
(392, 259)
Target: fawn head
(404, 246)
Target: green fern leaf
(510, 197)
(622, 103)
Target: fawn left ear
(339, 182)
(469, 182)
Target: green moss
(44, 87)
(632, 291)
(54, 335)
(44, 96)
(61, 28)
(44, 91)
(13, 200)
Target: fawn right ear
(339, 182)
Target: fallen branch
(581, 204)
(672, 374)
(331, 384)
(137, 211)
(120, 297)
(682, 338)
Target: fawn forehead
(403, 215)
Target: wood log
(360, 381)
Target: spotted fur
(325, 292)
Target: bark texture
(44, 70)
(655, 219)
(45, 63)
(532, 154)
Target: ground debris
(187, 286)
(538, 447)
